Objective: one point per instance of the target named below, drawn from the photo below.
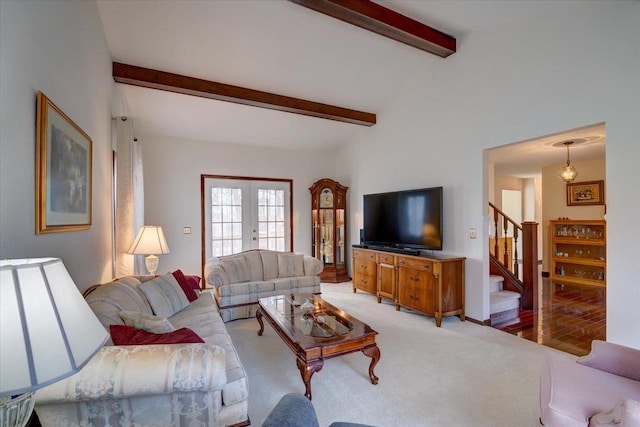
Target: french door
(244, 213)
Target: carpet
(461, 374)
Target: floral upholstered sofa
(196, 382)
(239, 280)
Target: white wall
(172, 170)
(58, 48)
(504, 183)
(508, 84)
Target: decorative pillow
(290, 264)
(613, 358)
(187, 284)
(625, 413)
(165, 295)
(147, 322)
(128, 335)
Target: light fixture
(47, 330)
(149, 241)
(568, 173)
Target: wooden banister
(527, 285)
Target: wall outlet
(186, 230)
(473, 233)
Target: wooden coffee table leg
(374, 353)
(306, 371)
(259, 317)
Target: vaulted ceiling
(280, 47)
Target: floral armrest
(312, 266)
(124, 371)
(613, 358)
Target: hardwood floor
(568, 318)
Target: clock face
(326, 198)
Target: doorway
(244, 213)
(570, 314)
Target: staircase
(504, 305)
(512, 289)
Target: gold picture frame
(585, 193)
(63, 171)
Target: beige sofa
(152, 385)
(239, 280)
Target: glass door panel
(327, 235)
(340, 249)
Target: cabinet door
(387, 281)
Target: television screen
(411, 219)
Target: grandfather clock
(329, 228)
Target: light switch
(473, 233)
(186, 230)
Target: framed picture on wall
(63, 171)
(585, 193)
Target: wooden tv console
(433, 286)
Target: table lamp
(47, 332)
(149, 241)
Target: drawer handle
(415, 279)
(413, 297)
(363, 266)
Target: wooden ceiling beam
(161, 80)
(374, 17)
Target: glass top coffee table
(316, 331)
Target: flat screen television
(404, 219)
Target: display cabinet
(578, 252)
(329, 228)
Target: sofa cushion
(613, 358)
(186, 285)
(245, 288)
(121, 295)
(164, 295)
(146, 322)
(290, 264)
(254, 263)
(236, 269)
(128, 335)
(202, 316)
(269, 264)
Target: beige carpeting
(461, 374)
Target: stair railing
(505, 265)
(502, 223)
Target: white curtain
(128, 197)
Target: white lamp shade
(149, 241)
(47, 330)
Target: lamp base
(16, 411)
(151, 262)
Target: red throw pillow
(194, 282)
(186, 285)
(128, 335)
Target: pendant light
(568, 173)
